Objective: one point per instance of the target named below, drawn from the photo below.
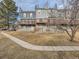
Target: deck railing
(47, 21)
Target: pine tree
(8, 10)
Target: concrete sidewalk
(40, 48)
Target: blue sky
(30, 4)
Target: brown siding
(47, 21)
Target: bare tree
(72, 25)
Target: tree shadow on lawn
(62, 43)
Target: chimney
(46, 5)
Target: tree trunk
(8, 23)
(72, 37)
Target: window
(39, 11)
(24, 15)
(31, 15)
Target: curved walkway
(40, 48)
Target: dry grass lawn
(46, 39)
(10, 50)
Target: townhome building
(43, 19)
